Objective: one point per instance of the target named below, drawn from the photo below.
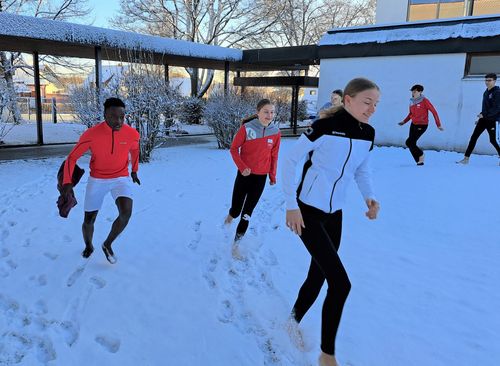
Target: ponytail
(248, 119)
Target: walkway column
(226, 77)
(295, 107)
(166, 70)
(98, 74)
(38, 99)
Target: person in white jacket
(337, 147)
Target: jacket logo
(251, 134)
(338, 133)
(123, 142)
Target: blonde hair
(353, 87)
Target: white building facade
(448, 56)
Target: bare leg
(88, 232)
(327, 360)
(124, 205)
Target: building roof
(470, 34)
(29, 34)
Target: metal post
(295, 107)
(54, 110)
(98, 74)
(226, 77)
(38, 99)
(167, 79)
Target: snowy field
(425, 275)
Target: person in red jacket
(110, 142)
(255, 152)
(419, 115)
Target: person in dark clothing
(487, 119)
(338, 147)
(419, 115)
(255, 152)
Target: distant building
(448, 56)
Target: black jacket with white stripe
(338, 148)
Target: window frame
(469, 9)
(468, 62)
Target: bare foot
(235, 252)
(295, 333)
(327, 360)
(228, 219)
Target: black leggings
(246, 193)
(321, 237)
(483, 124)
(416, 131)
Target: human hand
(401, 123)
(246, 172)
(294, 221)
(373, 209)
(441, 128)
(135, 178)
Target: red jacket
(419, 112)
(256, 147)
(110, 152)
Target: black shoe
(420, 164)
(108, 252)
(87, 252)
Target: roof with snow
(470, 34)
(29, 34)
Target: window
(441, 9)
(483, 7)
(482, 64)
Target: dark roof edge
(419, 24)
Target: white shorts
(97, 188)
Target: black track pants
(416, 131)
(246, 193)
(321, 237)
(483, 124)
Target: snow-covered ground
(425, 275)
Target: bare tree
(48, 9)
(303, 22)
(214, 22)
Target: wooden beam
(308, 81)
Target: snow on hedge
(486, 27)
(53, 30)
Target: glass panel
(422, 12)
(483, 7)
(481, 65)
(451, 9)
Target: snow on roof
(416, 31)
(37, 28)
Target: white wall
(457, 100)
(391, 11)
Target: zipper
(264, 132)
(112, 141)
(341, 174)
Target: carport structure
(37, 37)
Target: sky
(103, 11)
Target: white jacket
(338, 149)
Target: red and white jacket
(256, 147)
(112, 151)
(419, 112)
